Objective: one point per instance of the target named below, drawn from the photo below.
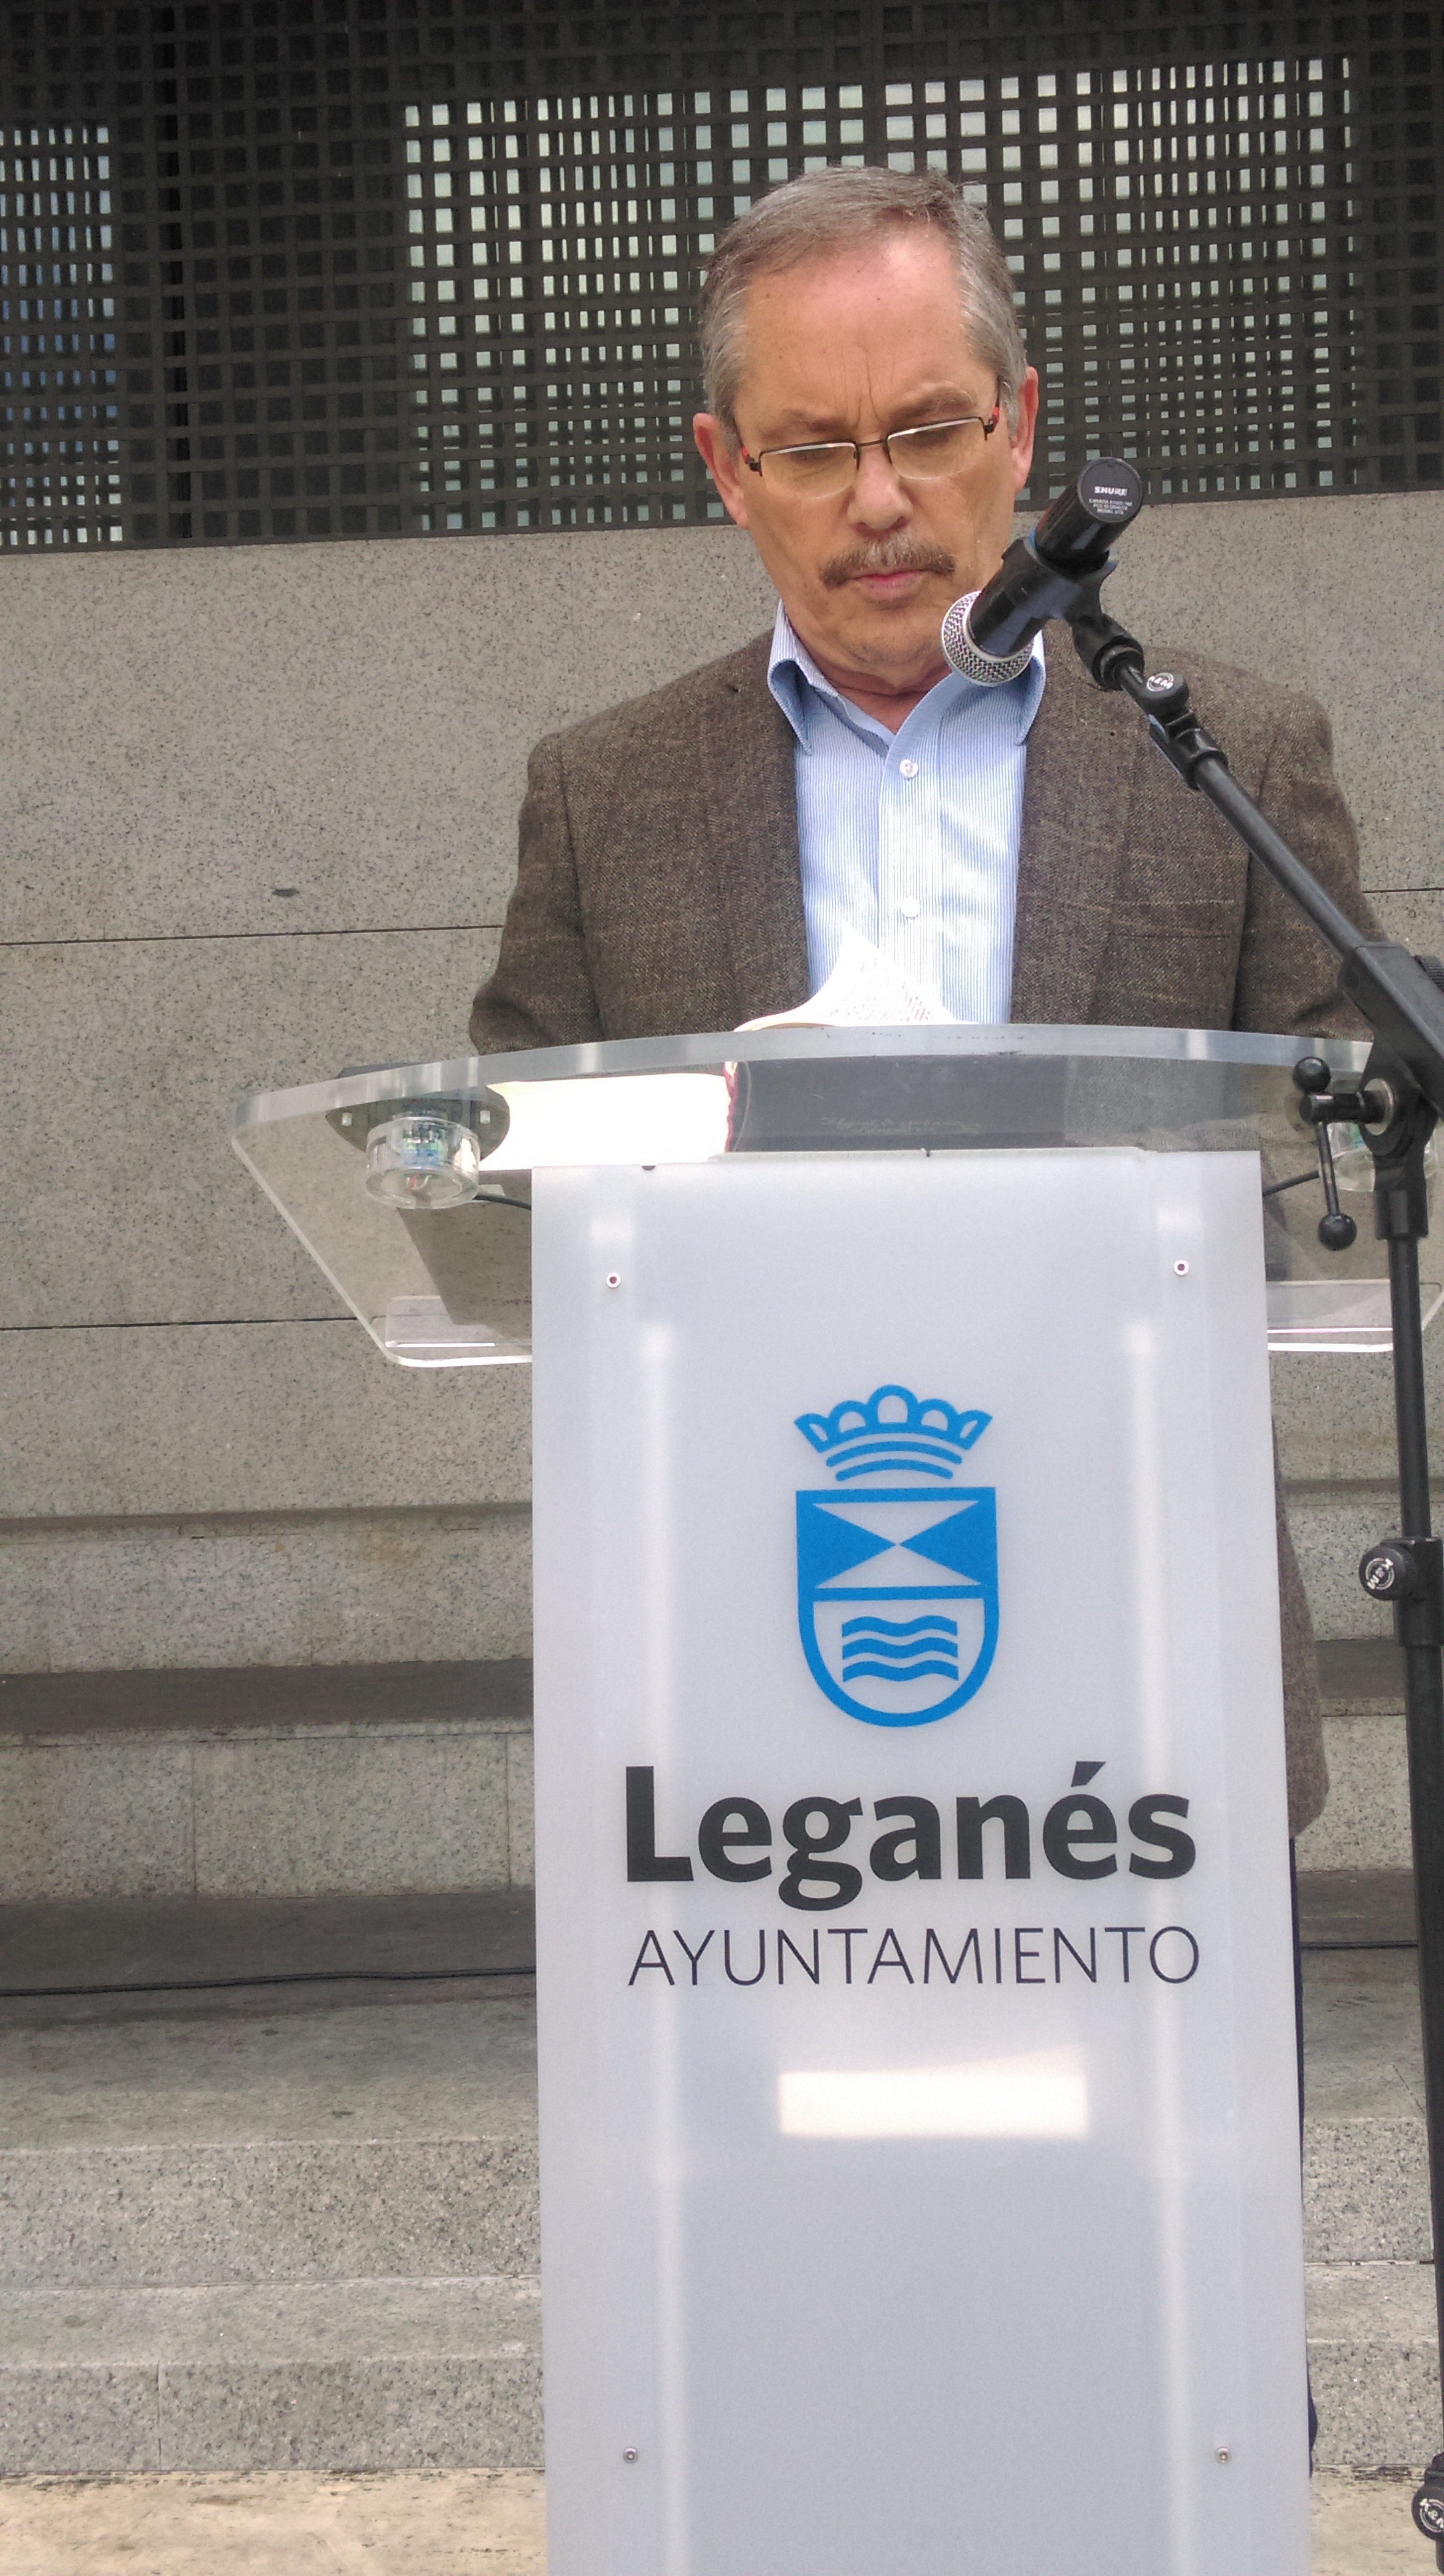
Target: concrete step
(1366, 1822)
(1374, 2364)
(266, 1781)
(293, 1781)
(96, 1951)
(268, 2185)
(201, 2144)
(269, 2210)
(1373, 2356)
(358, 2374)
(1359, 1672)
(247, 2224)
(1357, 1909)
(1365, 2145)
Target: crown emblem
(893, 1429)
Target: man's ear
(724, 463)
(1021, 439)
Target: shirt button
(910, 907)
(907, 769)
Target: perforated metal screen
(404, 267)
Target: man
(694, 859)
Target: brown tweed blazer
(660, 891)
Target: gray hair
(835, 210)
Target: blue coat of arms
(897, 1567)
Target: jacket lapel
(748, 778)
(1082, 760)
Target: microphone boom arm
(1394, 1102)
(1394, 991)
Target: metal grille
(405, 267)
(61, 447)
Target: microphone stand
(1395, 1105)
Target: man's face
(853, 346)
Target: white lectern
(920, 2161)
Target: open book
(864, 991)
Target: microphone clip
(1114, 659)
(1108, 653)
(1031, 590)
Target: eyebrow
(945, 404)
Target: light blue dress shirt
(912, 837)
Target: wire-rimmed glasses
(927, 454)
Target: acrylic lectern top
(410, 1185)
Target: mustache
(894, 554)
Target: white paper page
(864, 991)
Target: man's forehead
(836, 397)
(829, 339)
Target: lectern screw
(1223, 2457)
(629, 2453)
(614, 1278)
(1180, 1269)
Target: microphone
(989, 634)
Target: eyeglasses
(924, 455)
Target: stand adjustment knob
(1429, 2500)
(1389, 1573)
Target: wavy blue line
(894, 1673)
(880, 1627)
(901, 1672)
(902, 1654)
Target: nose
(879, 498)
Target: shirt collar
(793, 677)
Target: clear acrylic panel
(410, 1185)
